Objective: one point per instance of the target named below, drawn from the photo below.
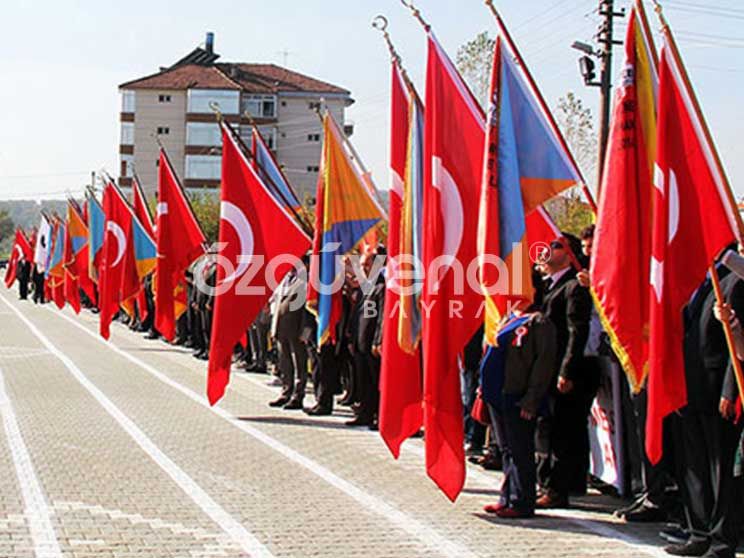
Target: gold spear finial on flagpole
(381, 24)
(660, 12)
(493, 9)
(416, 13)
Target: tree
(206, 208)
(474, 61)
(577, 124)
(7, 227)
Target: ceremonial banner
(96, 232)
(345, 212)
(253, 225)
(401, 391)
(622, 240)
(693, 221)
(118, 226)
(180, 241)
(526, 163)
(43, 244)
(453, 166)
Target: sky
(61, 64)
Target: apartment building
(173, 107)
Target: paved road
(110, 450)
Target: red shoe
(511, 513)
(493, 508)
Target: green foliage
(570, 213)
(206, 206)
(474, 60)
(6, 233)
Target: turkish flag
(118, 222)
(180, 241)
(71, 287)
(401, 392)
(454, 142)
(15, 256)
(693, 221)
(252, 224)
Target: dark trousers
(563, 443)
(516, 440)
(367, 373)
(475, 432)
(327, 376)
(293, 367)
(708, 445)
(39, 287)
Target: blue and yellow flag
(411, 232)
(96, 223)
(78, 230)
(268, 169)
(525, 164)
(145, 251)
(345, 212)
(55, 268)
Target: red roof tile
(189, 76)
(252, 78)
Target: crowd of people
(526, 398)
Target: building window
(127, 133)
(260, 106)
(127, 101)
(311, 168)
(205, 134)
(315, 105)
(204, 167)
(199, 100)
(163, 130)
(127, 166)
(313, 137)
(164, 98)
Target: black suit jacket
(569, 306)
(708, 369)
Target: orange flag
(622, 242)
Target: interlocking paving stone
(110, 499)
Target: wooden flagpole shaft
(735, 362)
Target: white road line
(37, 511)
(217, 513)
(416, 448)
(426, 534)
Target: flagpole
(533, 84)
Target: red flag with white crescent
(401, 391)
(454, 139)
(255, 230)
(693, 221)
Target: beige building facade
(174, 108)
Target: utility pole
(605, 38)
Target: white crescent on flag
(451, 206)
(121, 241)
(232, 214)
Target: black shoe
(694, 548)
(373, 426)
(318, 411)
(358, 421)
(635, 506)
(281, 402)
(293, 405)
(646, 514)
(675, 534)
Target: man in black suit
(562, 437)
(364, 321)
(705, 430)
(23, 273)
